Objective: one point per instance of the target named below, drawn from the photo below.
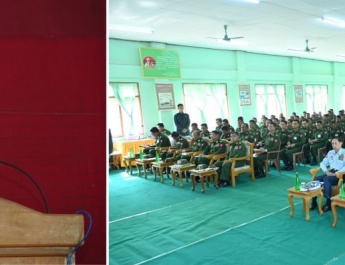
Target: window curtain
(217, 92)
(125, 95)
(263, 98)
(279, 93)
(199, 95)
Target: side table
(143, 163)
(179, 169)
(114, 159)
(336, 201)
(160, 166)
(127, 161)
(306, 196)
(204, 173)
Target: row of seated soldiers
(289, 136)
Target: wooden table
(160, 166)
(204, 173)
(180, 169)
(306, 196)
(336, 201)
(125, 146)
(114, 159)
(127, 161)
(144, 163)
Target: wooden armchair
(320, 152)
(339, 175)
(275, 159)
(248, 167)
(160, 150)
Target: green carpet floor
(155, 223)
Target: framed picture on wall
(298, 93)
(244, 94)
(165, 96)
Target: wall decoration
(245, 98)
(298, 93)
(165, 96)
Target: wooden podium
(31, 237)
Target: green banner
(160, 63)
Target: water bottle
(297, 183)
(141, 155)
(341, 191)
(157, 157)
(131, 154)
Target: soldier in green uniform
(318, 140)
(237, 149)
(294, 145)
(219, 124)
(199, 144)
(225, 122)
(180, 143)
(216, 147)
(161, 141)
(194, 126)
(204, 131)
(335, 132)
(162, 129)
(270, 143)
(245, 135)
(308, 133)
(254, 131)
(239, 123)
(226, 132)
(284, 134)
(264, 128)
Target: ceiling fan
(226, 37)
(307, 49)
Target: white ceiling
(270, 27)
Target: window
(317, 98)
(206, 102)
(270, 100)
(124, 110)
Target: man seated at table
(332, 163)
(199, 144)
(161, 141)
(179, 144)
(270, 143)
(237, 149)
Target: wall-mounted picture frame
(298, 89)
(244, 95)
(165, 96)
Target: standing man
(182, 121)
(332, 163)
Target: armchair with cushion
(339, 175)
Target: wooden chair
(275, 159)
(298, 157)
(320, 152)
(248, 167)
(335, 188)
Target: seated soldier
(239, 123)
(216, 147)
(237, 149)
(255, 131)
(270, 143)
(204, 131)
(161, 128)
(226, 132)
(244, 134)
(199, 144)
(194, 127)
(161, 141)
(219, 124)
(294, 145)
(180, 143)
(225, 122)
(317, 141)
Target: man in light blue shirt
(332, 163)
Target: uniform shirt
(225, 136)
(182, 121)
(256, 134)
(162, 140)
(321, 135)
(246, 137)
(216, 147)
(308, 132)
(199, 145)
(181, 143)
(237, 149)
(166, 132)
(263, 131)
(219, 128)
(334, 161)
(272, 142)
(297, 138)
(335, 132)
(284, 137)
(205, 134)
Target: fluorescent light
(130, 29)
(333, 22)
(253, 1)
(342, 56)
